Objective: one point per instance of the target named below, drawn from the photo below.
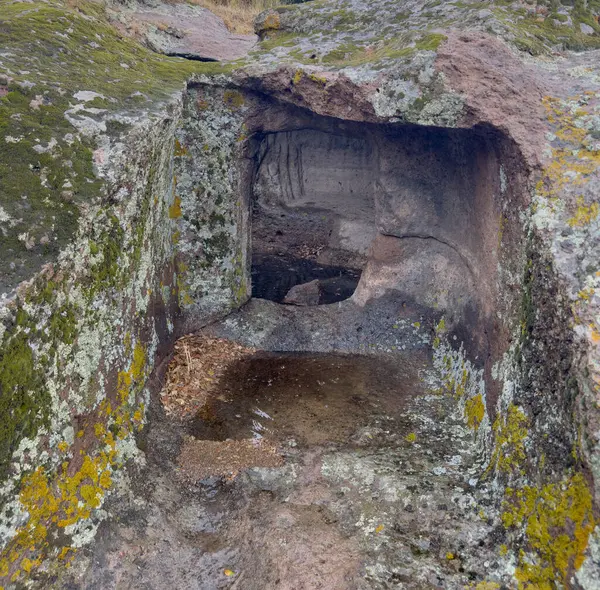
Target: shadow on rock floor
(374, 485)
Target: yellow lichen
(501, 225)
(318, 79)
(474, 411)
(175, 208)
(459, 388)
(179, 150)
(439, 330)
(272, 22)
(70, 496)
(243, 133)
(105, 480)
(127, 343)
(139, 362)
(411, 437)
(574, 162)
(586, 294)
(297, 77)
(584, 214)
(558, 520)
(510, 431)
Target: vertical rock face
(464, 176)
(211, 205)
(77, 346)
(330, 171)
(89, 276)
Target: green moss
(381, 50)
(401, 17)
(54, 501)
(539, 37)
(279, 39)
(471, 6)
(216, 220)
(430, 42)
(53, 52)
(31, 183)
(62, 325)
(343, 18)
(107, 272)
(24, 397)
(233, 99)
(352, 54)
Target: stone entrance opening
(343, 209)
(313, 215)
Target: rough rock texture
(125, 202)
(89, 280)
(370, 494)
(304, 294)
(181, 30)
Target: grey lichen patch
(78, 340)
(566, 216)
(211, 219)
(455, 375)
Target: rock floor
(302, 471)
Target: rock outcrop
(180, 29)
(126, 185)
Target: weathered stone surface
(181, 29)
(304, 294)
(89, 280)
(125, 204)
(586, 29)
